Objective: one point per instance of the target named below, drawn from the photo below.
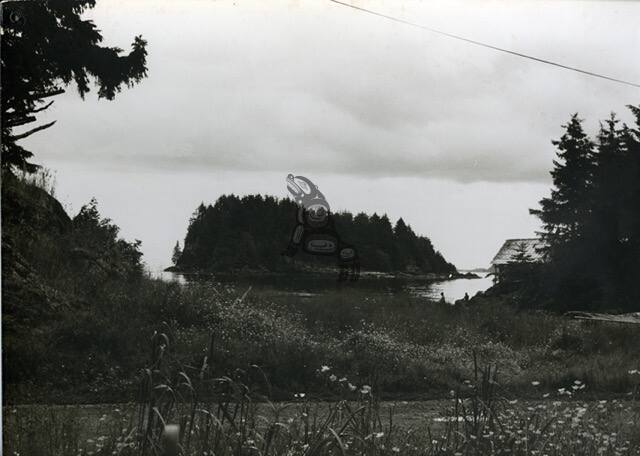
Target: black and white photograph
(320, 227)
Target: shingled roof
(512, 247)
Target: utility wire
(479, 43)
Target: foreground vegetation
(403, 346)
(233, 415)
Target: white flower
(366, 389)
(333, 378)
(352, 387)
(324, 368)
(535, 383)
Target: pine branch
(47, 94)
(18, 118)
(32, 131)
(44, 107)
(17, 121)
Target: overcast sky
(382, 116)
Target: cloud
(330, 90)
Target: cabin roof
(511, 247)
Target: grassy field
(474, 425)
(406, 347)
(249, 372)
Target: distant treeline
(251, 233)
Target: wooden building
(517, 253)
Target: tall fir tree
(565, 216)
(592, 219)
(567, 209)
(614, 232)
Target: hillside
(250, 233)
(64, 280)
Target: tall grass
(234, 414)
(403, 348)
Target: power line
(479, 43)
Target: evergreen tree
(177, 252)
(45, 46)
(567, 209)
(592, 219)
(614, 233)
(97, 237)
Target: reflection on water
(452, 289)
(306, 285)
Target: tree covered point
(45, 47)
(250, 233)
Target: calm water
(310, 284)
(452, 289)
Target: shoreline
(376, 275)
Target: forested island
(249, 234)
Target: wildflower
(379, 435)
(343, 379)
(324, 368)
(333, 378)
(634, 372)
(299, 395)
(366, 389)
(535, 383)
(395, 449)
(352, 387)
